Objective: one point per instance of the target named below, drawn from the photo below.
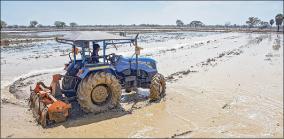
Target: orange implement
(45, 106)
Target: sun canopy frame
(78, 39)
(94, 36)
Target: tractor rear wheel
(157, 87)
(99, 92)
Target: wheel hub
(99, 94)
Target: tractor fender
(88, 70)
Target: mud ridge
(213, 61)
(16, 86)
(179, 74)
(209, 61)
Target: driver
(95, 53)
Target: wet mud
(180, 112)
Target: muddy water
(238, 92)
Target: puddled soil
(216, 70)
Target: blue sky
(137, 12)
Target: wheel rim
(100, 94)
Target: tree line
(34, 24)
(254, 21)
(251, 22)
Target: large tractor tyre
(157, 87)
(99, 92)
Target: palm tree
(278, 20)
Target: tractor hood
(144, 59)
(146, 64)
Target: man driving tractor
(95, 53)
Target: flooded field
(218, 85)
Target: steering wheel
(111, 58)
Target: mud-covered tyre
(99, 92)
(157, 87)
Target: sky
(137, 12)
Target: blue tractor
(96, 80)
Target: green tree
(278, 20)
(179, 23)
(3, 24)
(252, 21)
(227, 24)
(39, 25)
(263, 24)
(73, 24)
(271, 22)
(59, 24)
(33, 23)
(196, 24)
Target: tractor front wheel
(99, 92)
(157, 87)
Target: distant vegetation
(271, 22)
(3, 24)
(256, 22)
(59, 24)
(278, 20)
(73, 24)
(179, 23)
(252, 22)
(196, 24)
(33, 23)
